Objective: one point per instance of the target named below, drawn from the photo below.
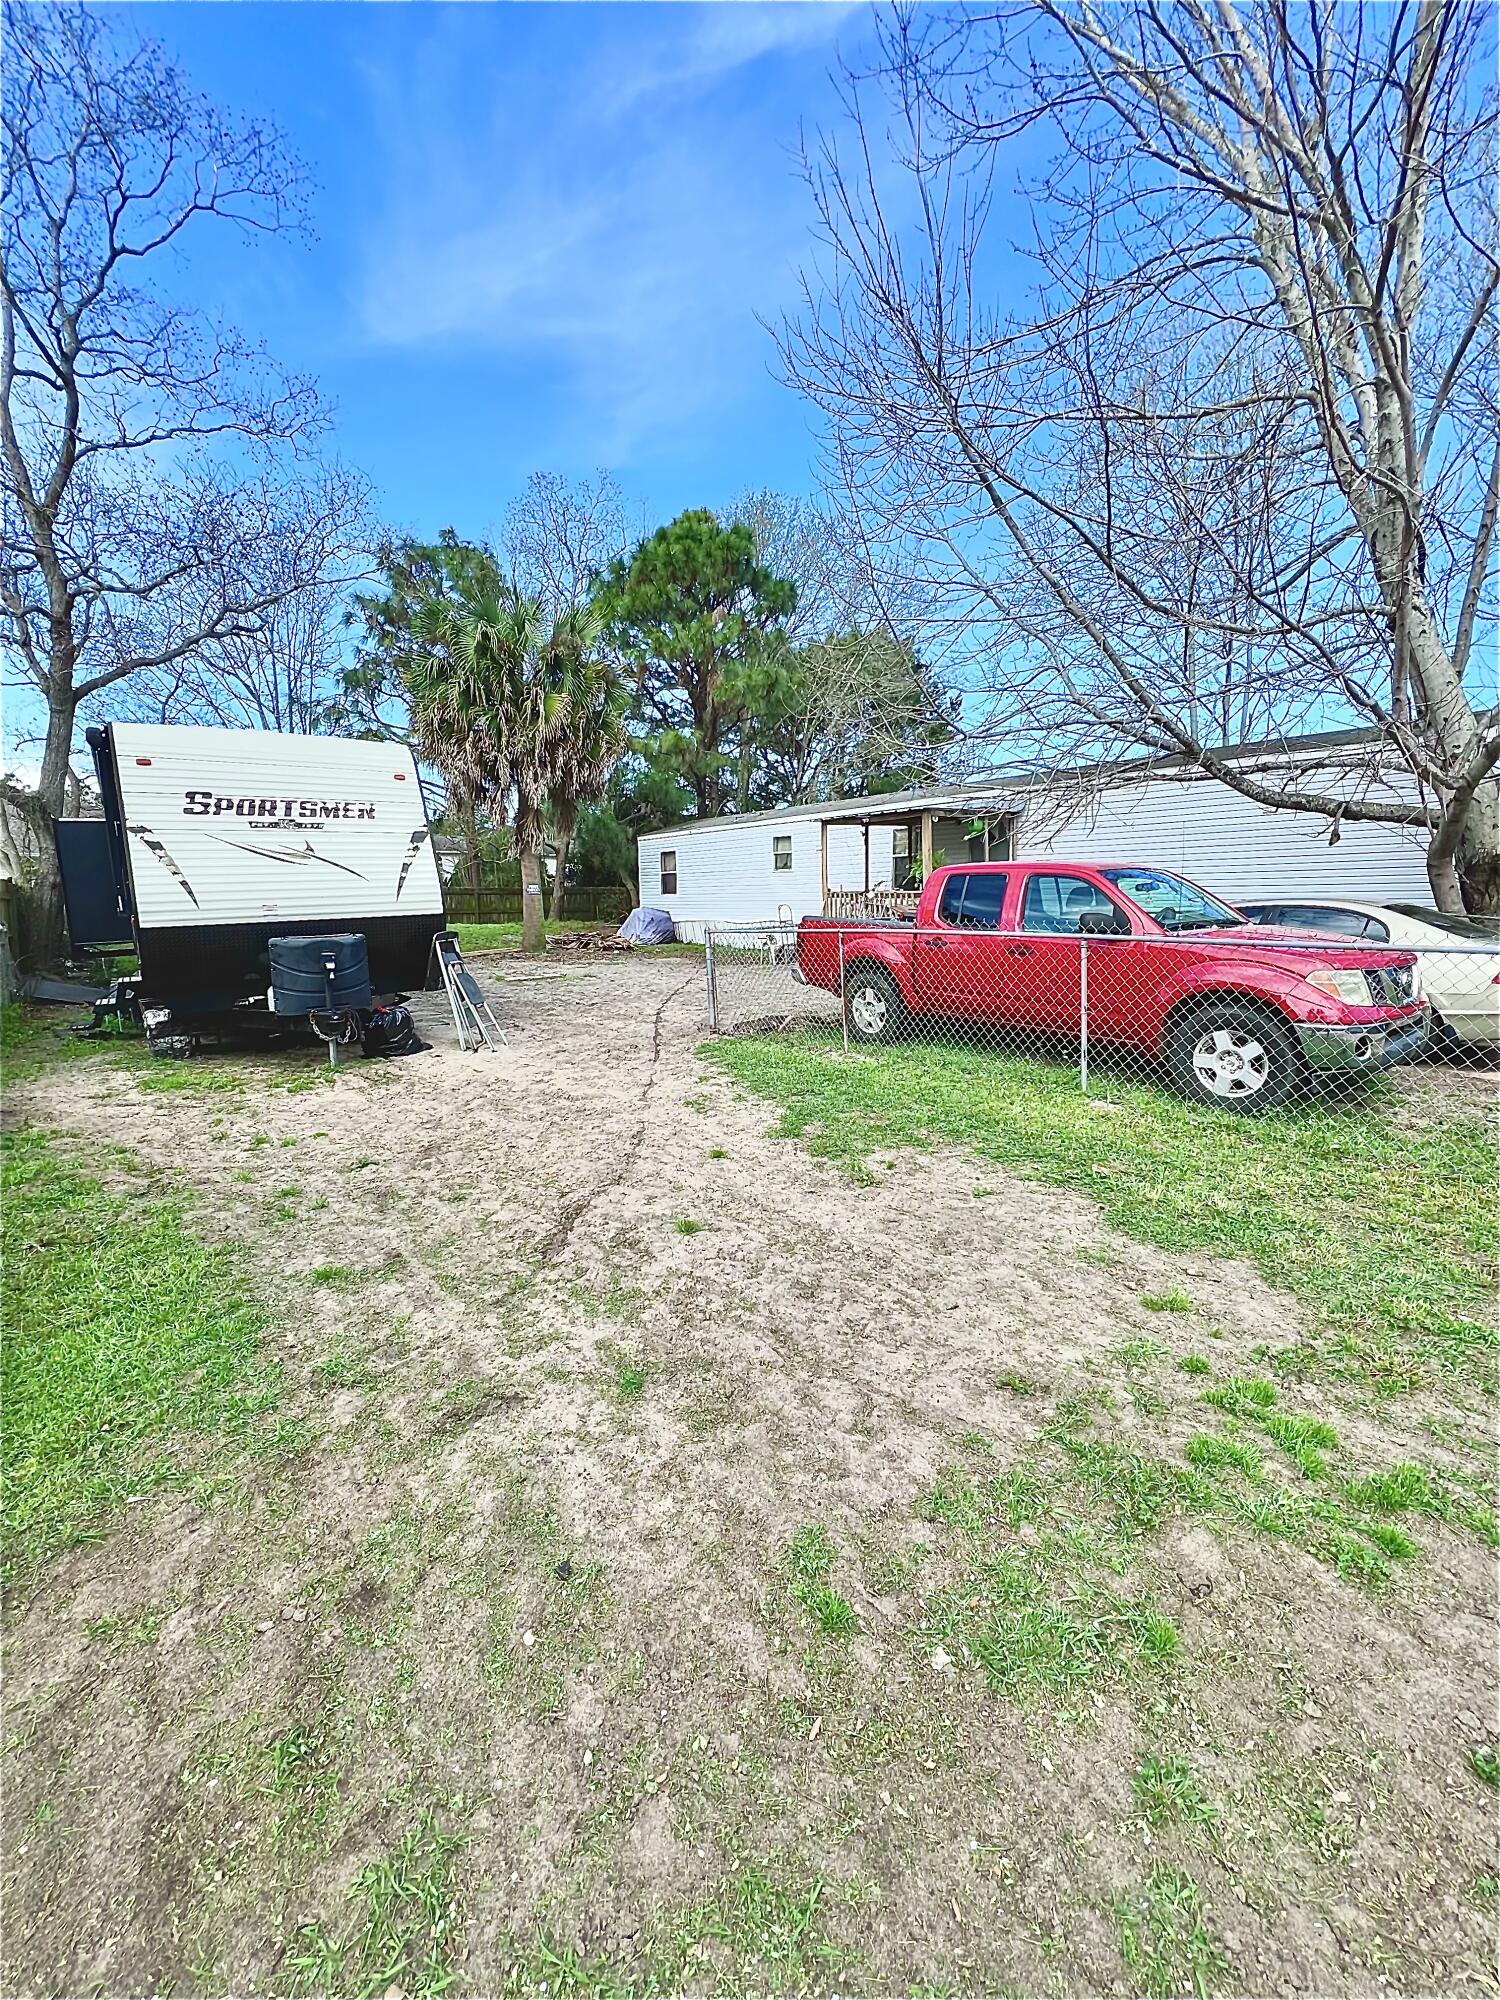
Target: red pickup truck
(1241, 1014)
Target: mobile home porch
(846, 858)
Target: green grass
(1164, 1940)
(302, 1779)
(629, 1381)
(1303, 1439)
(34, 1039)
(1173, 1300)
(808, 1562)
(1045, 1620)
(1034, 1629)
(1018, 1385)
(1243, 1396)
(1384, 1230)
(755, 1933)
(1054, 1597)
(333, 1277)
(165, 1075)
(685, 1225)
(1169, 1794)
(1140, 1351)
(344, 1368)
(1485, 1764)
(406, 1930)
(507, 937)
(1222, 1454)
(125, 1338)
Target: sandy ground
(506, 1229)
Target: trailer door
(97, 918)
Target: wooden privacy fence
(503, 906)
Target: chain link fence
(1239, 1019)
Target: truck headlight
(1350, 987)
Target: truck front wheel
(873, 1006)
(1233, 1055)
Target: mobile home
(847, 856)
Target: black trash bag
(390, 1031)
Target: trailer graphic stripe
(413, 849)
(149, 841)
(307, 852)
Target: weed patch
(1164, 1940)
(809, 1564)
(407, 1929)
(629, 1381)
(1169, 1794)
(758, 1933)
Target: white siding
(1204, 830)
(725, 873)
(1181, 821)
(231, 826)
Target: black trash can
(320, 975)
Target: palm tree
(591, 739)
(514, 709)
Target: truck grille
(1390, 985)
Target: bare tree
(557, 538)
(818, 549)
(1235, 471)
(857, 709)
(134, 433)
(281, 671)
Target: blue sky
(544, 235)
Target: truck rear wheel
(873, 1007)
(1233, 1055)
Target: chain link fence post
(843, 993)
(1083, 1015)
(713, 982)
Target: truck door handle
(938, 944)
(1019, 950)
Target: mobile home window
(781, 852)
(669, 871)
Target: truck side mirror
(1104, 923)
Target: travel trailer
(217, 846)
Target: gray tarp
(648, 927)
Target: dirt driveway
(521, 1658)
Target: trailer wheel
(873, 1006)
(1233, 1055)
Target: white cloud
(724, 37)
(624, 224)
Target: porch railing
(852, 904)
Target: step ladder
(476, 1025)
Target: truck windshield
(1176, 905)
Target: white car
(1459, 956)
